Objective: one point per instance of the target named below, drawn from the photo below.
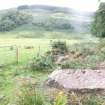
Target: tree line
(13, 19)
(98, 25)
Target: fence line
(17, 54)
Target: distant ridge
(40, 19)
(44, 8)
(47, 8)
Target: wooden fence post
(17, 55)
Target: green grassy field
(25, 54)
(34, 38)
(10, 69)
(28, 48)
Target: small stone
(2, 97)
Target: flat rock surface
(77, 79)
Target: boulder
(78, 80)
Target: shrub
(13, 19)
(47, 61)
(59, 47)
(98, 25)
(29, 96)
(42, 63)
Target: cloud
(102, 0)
(86, 5)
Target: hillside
(43, 20)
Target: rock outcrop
(78, 80)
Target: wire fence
(17, 54)
(7, 55)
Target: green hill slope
(44, 21)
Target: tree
(98, 25)
(13, 19)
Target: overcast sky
(84, 5)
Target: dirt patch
(101, 66)
(25, 81)
(60, 59)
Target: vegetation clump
(61, 99)
(13, 19)
(85, 56)
(42, 63)
(98, 25)
(78, 56)
(59, 47)
(47, 61)
(29, 96)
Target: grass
(38, 46)
(10, 70)
(9, 84)
(30, 36)
(30, 31)
(85, 56)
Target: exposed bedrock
(83, 81)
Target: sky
(81, 5)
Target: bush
(42, 63)
(59, 47)
(30, 96)
(98, 25)
(13, 19)
(47, 61)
